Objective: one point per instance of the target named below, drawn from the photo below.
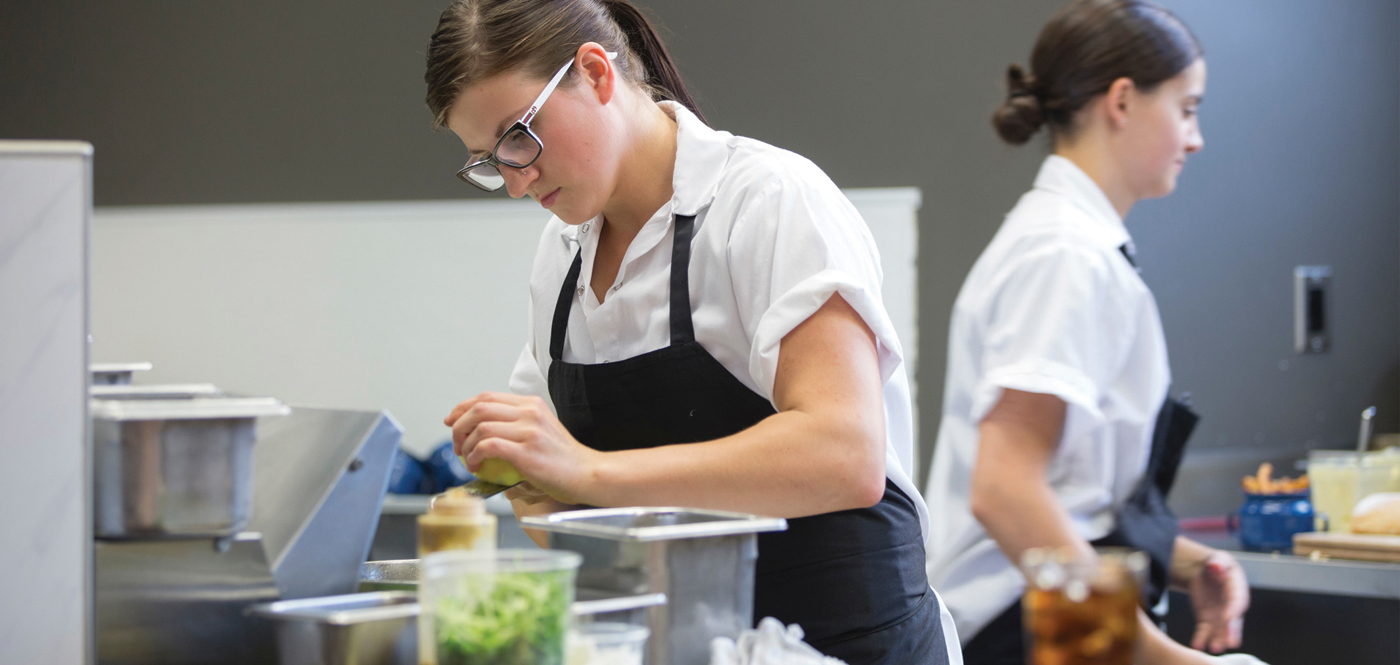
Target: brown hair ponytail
(1085, 47)
(476, 39)
(663, 79)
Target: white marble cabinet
(45, 487)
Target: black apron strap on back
(1175, 422)
(682, 329)
(562, 309)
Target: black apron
(854, 580)
(1144, 522)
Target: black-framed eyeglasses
(518, 148)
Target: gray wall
(261, 101)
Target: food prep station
(234, 529)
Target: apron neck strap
(682, 328)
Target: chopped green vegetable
(520, 620)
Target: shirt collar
(1061, 176)
(701, 154)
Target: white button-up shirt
(774, 240)
(1053, 307)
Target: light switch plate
(1311, 302)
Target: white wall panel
(407, 306)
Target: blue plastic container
(445, 469)
(1267, 522)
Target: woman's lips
(549, 199)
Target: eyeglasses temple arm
(553, 83)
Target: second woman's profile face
(571, 176)
(1164, 131)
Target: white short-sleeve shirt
(774, 239)
(1052, 306)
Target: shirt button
(586, 226)
(616, 287)
(580, 291)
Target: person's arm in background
(1219, 593)
(1015, 503)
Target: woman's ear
(599, 74)
(1117, 100)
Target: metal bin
(175, 467)
(703, 560)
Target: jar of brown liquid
(456, 520)
(1081, 611)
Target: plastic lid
(457, 502)
(198, 408)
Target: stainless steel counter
(1285, 572)
(1308, 611)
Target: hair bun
(1021, 115)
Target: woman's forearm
(822, 452)
(791, 464)
(1010, 495)
(1188, 556)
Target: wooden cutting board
(1360, 547)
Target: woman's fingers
(473, 417)
(506, 431)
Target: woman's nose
(1195, 142)
(518, 180)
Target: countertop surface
(1285, 572)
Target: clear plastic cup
(503, 607)
(607, 643)
(1380, 472)
(1079, 610)
(1334, 480)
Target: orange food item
(1264, 483)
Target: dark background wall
(259, 101)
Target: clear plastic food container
(502, 607)
(1341, 478)
(607, 643)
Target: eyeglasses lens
(486, 177)
(517, 149)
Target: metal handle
(1363, 437)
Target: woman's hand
(1220, 595)
(523, 431)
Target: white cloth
(1238, 659)
(774, 239)
(1052, 306)
(769, 644)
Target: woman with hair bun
(1058, 428)
(706, 327)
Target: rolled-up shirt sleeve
(1055, 327)
(797, 242)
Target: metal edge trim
(622, 604)
(742, 523)
(42, 147)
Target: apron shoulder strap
(682, 328)
(561, 309)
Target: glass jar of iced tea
(1081, 611)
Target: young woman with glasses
(1058, 429)
(706, 327)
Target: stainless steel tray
(115, 373)
(648, 524)
(160, 391)
(355, 629)
(199, 408)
